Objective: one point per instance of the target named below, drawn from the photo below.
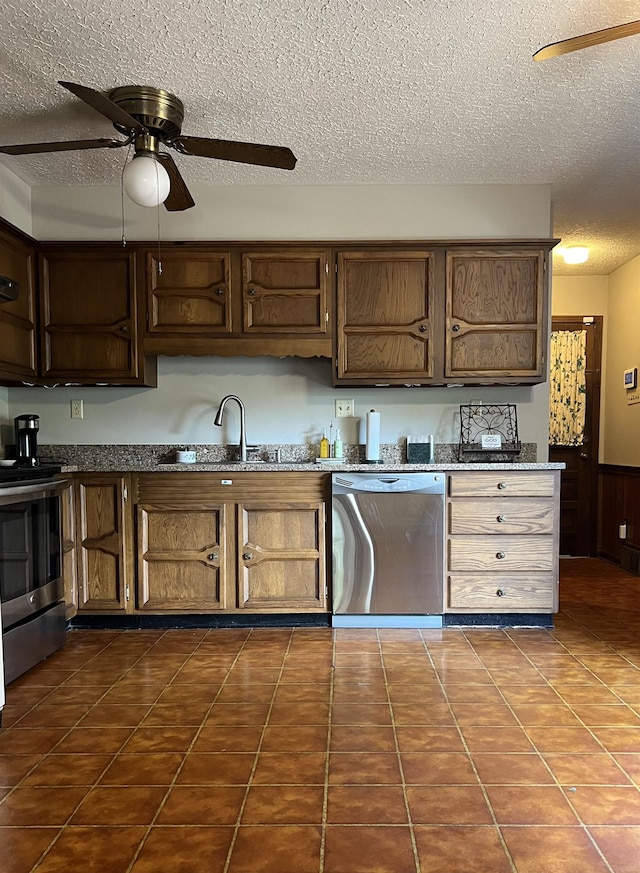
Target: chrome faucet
(218, 421)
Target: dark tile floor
(348, 751)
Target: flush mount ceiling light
(576, 255)
(146, 181)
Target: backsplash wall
(287, 400)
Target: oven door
(30, 550)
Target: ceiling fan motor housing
(159, 111)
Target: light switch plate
(345, 408)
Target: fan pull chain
(124, 166)
(159, 260)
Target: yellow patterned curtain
(568, 387)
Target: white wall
(300, 212)
(622, 430)
(288, 400)
(15, 200)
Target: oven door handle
(30, 491)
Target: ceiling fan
(149, 117)
(554, 49)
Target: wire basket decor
(488, 433)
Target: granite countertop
(301, 467)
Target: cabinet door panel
(69, 565)
(191, 294)
(102, 544)
(495, 313)
(285, 292)
(385, 316)
(18, 317)
(181, 562)
(89, 313)
(281, 557)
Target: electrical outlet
(77, 409)
(345, 408)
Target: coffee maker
(27, 427)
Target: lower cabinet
(503, 542)
(251, 542)
(103, 543)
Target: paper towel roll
(373, 436)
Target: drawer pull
(501, 555)
(247, 556)
(212, 557)
(501, 518)
(502, 486)
(500, 593)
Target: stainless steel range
(31, 587)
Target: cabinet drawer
(501, 554)
(505, 484)
(500, 593)
(488, 516)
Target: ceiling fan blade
(104, 106)
(35, 148)
(179, 197)
(242, 152)
(587, 39)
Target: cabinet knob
(455, 328)
(124, 328)
(502, 518)
(501, 555)
(423, 328)
(502, 486)
(247, 556)
(499, 593)
(212, 557)
(220, 291)
(251, 292)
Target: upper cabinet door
(18, 343)
(188, 292)
(495, 315)
(89, 315)
(285, 292)
(385, 317)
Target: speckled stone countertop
(295, 458)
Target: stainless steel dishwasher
(388, 549)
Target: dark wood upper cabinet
(90, 329)
(18, 339)
(285, 292)
(385, 311)
(495, 315)
(188, 292)
(458, 313)
(209, 300)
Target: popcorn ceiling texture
(363, 91)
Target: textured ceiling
(362, 91)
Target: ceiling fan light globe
(146, 181)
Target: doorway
(579, 479)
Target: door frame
(589, 455)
